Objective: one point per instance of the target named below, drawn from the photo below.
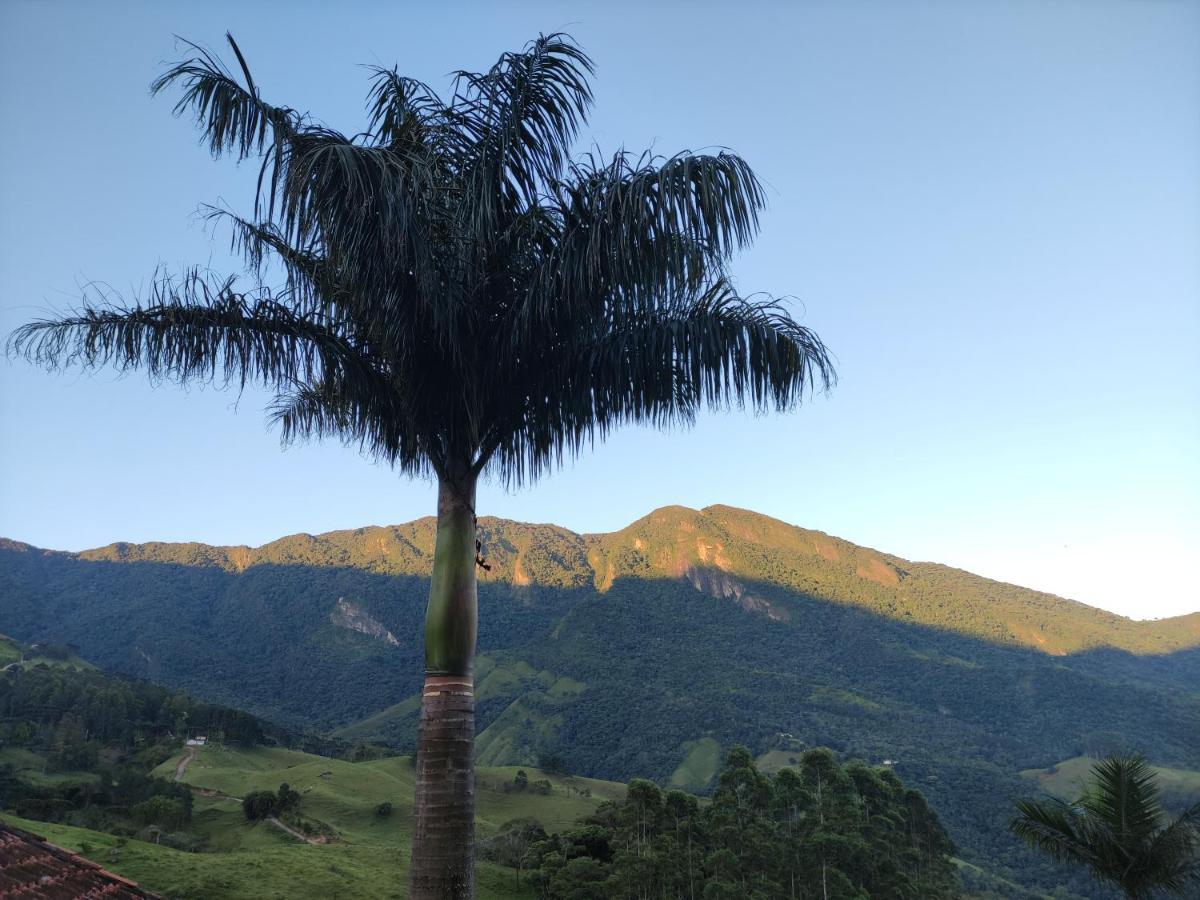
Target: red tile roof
(32, 868)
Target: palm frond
(714, 199)
(319, 187)
(192, 328)
(659, 366)
(719, 349)
(636, 229)
(367, 211)
(232, 116)
(1116, 829)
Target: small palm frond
(406, 113)
(1054, 828)
(717, 350)
(232, 116)
(320, 188)
(309, 275)
(714, 199)
(521, 117)
(193, 328)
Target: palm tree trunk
(443, 841)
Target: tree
(459, 298)
(511, 845)
(258, 805)
(1119, 830)
(286, 798)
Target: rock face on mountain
(347, 615)
(645, 652)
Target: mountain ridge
(714, 548)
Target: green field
(1065, 780)
(368, 856)
(774, 760)
(701, 759)
(14, 653)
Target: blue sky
(989, 211)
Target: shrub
(160, 811)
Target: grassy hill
(648, 652)
(1066, 779)
(14, 654)
(366, 857)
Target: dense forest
(649, 653)
(81, 712)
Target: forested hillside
(78, 745)
(648, 652)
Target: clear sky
(989, 211)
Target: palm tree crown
(459, 294)
(1118, 829)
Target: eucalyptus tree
(1118, 829)
(453, 291)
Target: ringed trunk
(443, 839)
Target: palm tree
(460, 298)
(1118, 829)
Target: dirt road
(293, 832)
(181, 766)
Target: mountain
(648, 652)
